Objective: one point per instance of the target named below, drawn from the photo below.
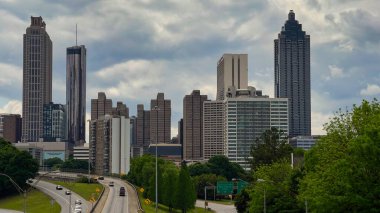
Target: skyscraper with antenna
(76, 92)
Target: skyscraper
(120, 110)
(10, 127)
(100, 106)
(76, 93)
(232, 70)
(292, 74)
(142, 127)
(160, 119)
(37, 78)
(192, 126)
(213, 122)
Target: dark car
(122, 191)
(100, 178)
(58, 187)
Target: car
(68, 192)
(122, 191)
(111, 183)
(30, 180)
(100, 178)
(78, 202)
(58, 187)
(78, 209)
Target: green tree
(170, 179)
(199, 169)
(342, 170)
(19, 165)
(74, 164)
(185, 193)
(51, 162)
(270, 147)
(278, 180)
(220, 165)
(241, 201)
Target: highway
(116, 203)
(60, 196)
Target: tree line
(341, 173)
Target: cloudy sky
(138, 48)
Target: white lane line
(47, 189)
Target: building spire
(291, 15)
(76, 34)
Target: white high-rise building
(213, 119)
(247, 114)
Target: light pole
(265, 207)
(89, 150)
(156, 109)
(19, 189)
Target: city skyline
(344, 50)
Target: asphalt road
(218, 208)
(116, 203)
(60, 197)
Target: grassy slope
(85, 190)
(37, 202)
(163, 209)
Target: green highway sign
(241, 185)
(224, 187)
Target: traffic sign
(224, 187)
(97, 190)
(241, 185)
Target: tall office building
(193, 125)
(121, 110)
(160, 119)
(213, 121)
(292, 74)
(76, 94)
(54, 122)
(100, 106)
(247, 114)
(232, 70)
(10, 127)
(37, 78)
(142, 128)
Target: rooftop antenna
(76, 34)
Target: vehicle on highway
(78, 209)
(30, 180)
(122, 191)
(68, 192)
(58, 187)
(111, 183)
(100, 178)
(78, 202)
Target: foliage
(185, 193)
(74, 164)
(343, 172)
(19, 165)
(206, 180)
(53, 162)
(241, 201)
(278, 180)
(85, 190)
(270, 147)
(198, 169)
(221, 166)
(170, 179)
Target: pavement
(219, 208)
(60, 196)
(116, 203)
(9, 211)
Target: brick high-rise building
(10, 127)
(193, 125)
(37, 78)
(100, 106)
(160, 119)
(120, 110)
(232, 70)
(213, 120)
(292, 75)
(142, 127)
(76, 94)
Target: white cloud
(318, 119)
(10, 75)
(334, 72)
(372, 89)
(13, 107)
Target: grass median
(37, 202)
(84, 190)
(150, 208)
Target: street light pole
(156, 109)
(265, 207)
(19, 189)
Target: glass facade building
(76, 94)
(54, 122)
